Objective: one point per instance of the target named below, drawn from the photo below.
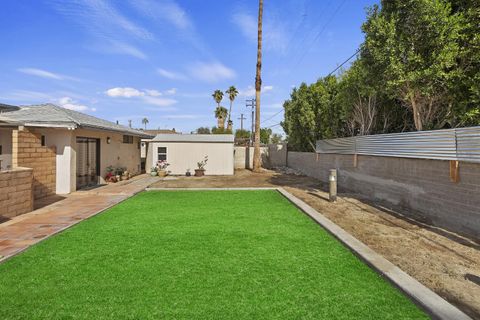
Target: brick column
(28, 152)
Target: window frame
(165, 153)
(127, 139)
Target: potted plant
(119, 173)
(110, 177)
(153, 171)
(162, 168)
(200, 172)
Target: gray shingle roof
(226, 138)
(50, 115)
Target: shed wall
(185, 155)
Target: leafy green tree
(466, 87)
(265, 134)
(203, 130)
(220, 130)
(242, 134)
(312, 113)
(413, 45)
(276, 138)
(232, 94)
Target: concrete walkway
(23, 231)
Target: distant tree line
(418, 69)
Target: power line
(273, 125)
(341, 65)
(306, 35)
(320, 33)
(272, 116)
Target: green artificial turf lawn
(197, 255)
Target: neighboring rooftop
(7, 108)
(50, 115)
(161, 131)
(229, 138)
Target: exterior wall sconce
(109, 140)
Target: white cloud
(211, 72)
(171, 91)
(45, 74)
(267, 88)
(41, 73)
(161, 102)
(153, 93)
(119, 47)
(247, 24)
(250, 91)
(100, 18)
(124, 92)
(275, 33)
(183, 116)
(149, 96)
(171, 75)
(111, 30)
(69, 103)
(167, 10)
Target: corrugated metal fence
(452, 144)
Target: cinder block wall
(16, 196)
(273, 155)
(421, 187)
(28, 152)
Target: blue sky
(162, 59)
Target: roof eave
(119, 130)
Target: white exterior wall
(116, 154)
(64, 141)
(6, 143)
(185, 155)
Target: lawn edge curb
(212, 189)
(432, 303)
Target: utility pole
(130, 123)
(252, 103)
(257, 160)
(241, 121)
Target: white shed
(184, 151)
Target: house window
(1, 151)
(128, 139)
(43, 141)
(162, 153)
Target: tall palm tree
(221, 114)
(145, 122)
(218, 96)
(258, 87)
(232, 94)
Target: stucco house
(67, 150)
(184, 151)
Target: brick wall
(16, 196)
(420, 188)
(28, 152)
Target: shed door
(88, 162)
